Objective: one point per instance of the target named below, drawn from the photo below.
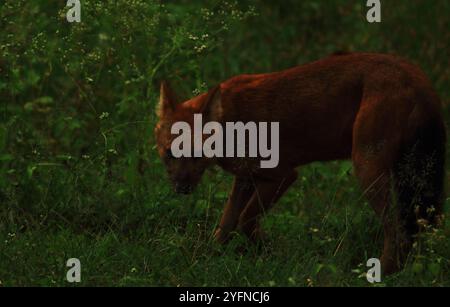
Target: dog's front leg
(266, 194)
(241, 192)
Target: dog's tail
(419, 176)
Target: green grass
(80, 178)
(320, 234)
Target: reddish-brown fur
(371, 108)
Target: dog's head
(184, 172)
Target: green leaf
(434, 269)
(6, 157)
(417, 267)
(318, 268)
(33, 77)
(30, 170)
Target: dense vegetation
(79, 175)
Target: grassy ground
(321, 234)
(79, 176)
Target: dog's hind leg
(377, 136)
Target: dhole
(378, 110)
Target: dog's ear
(167, 99)
(212, 107)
